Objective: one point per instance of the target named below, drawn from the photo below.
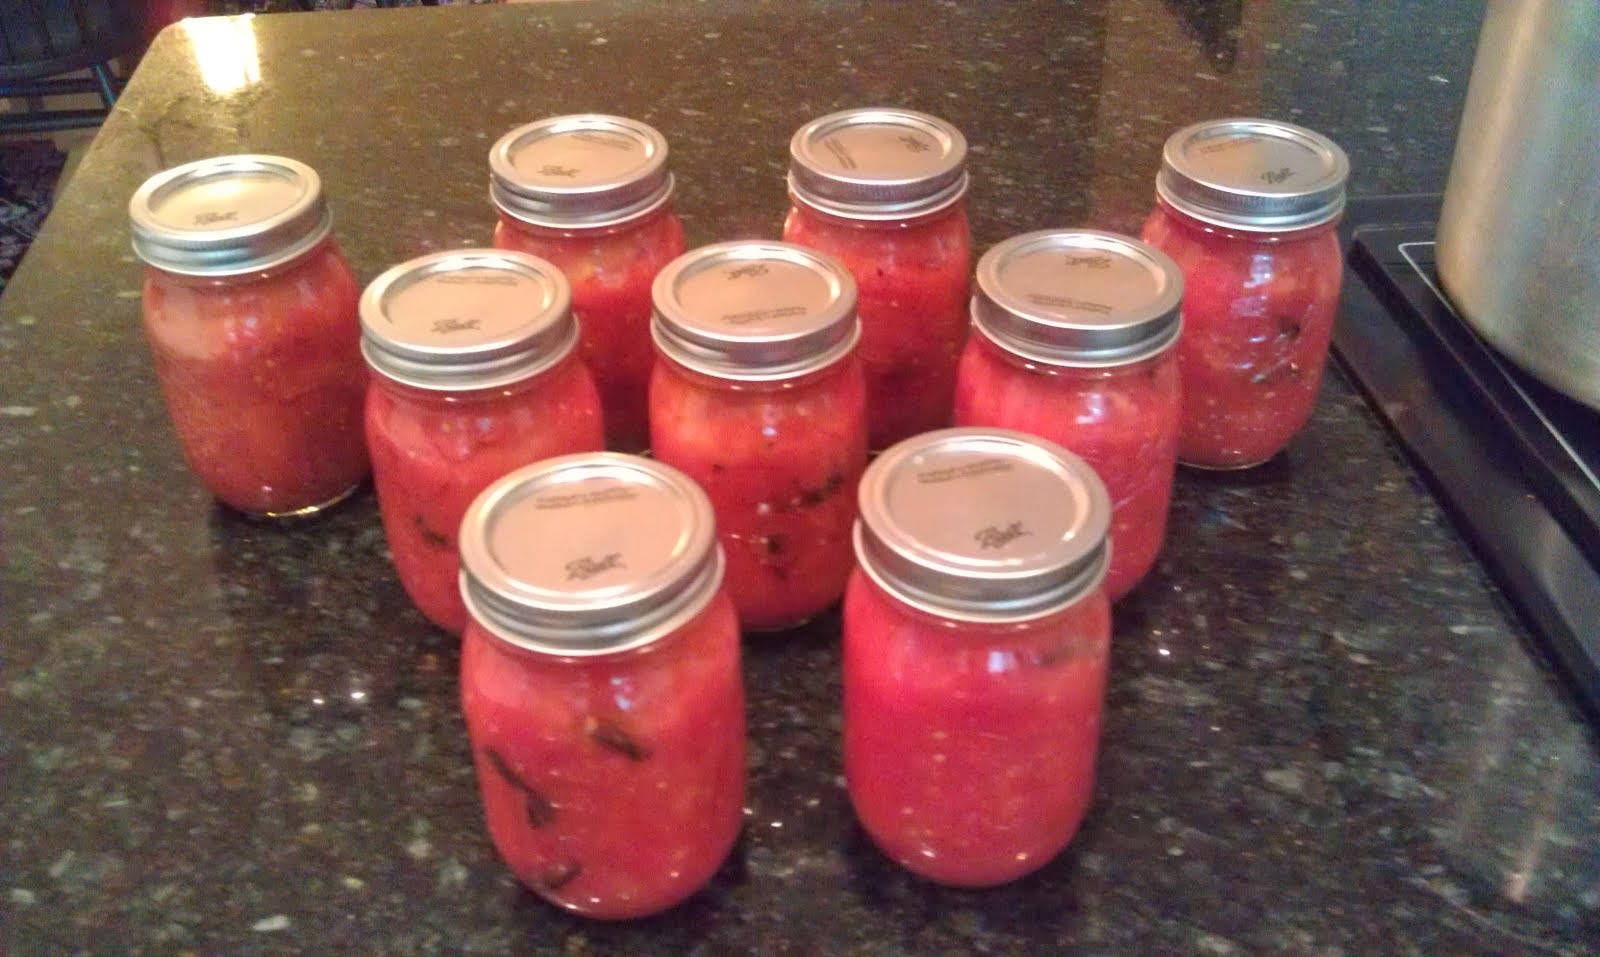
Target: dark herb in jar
(540, 810)
(818, 494)
(431, 537)
(611, 735)
(557, 876)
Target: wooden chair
(42, 42)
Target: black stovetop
(1515, 462)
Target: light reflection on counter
(225, 51)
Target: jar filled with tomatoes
(476, 373)
(1248, 209)
(883, 191)
(759, 397)
(976, 637)
(1073, 336)
(600, 682)
(593, 194)
(250, 313)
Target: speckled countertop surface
(1326, 734)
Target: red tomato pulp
(780, 462)
(969, 750)
(613, 786)
(1258, 313)
(264, 380)
(433, 452)
(913, 281)
(611, 271)
(1122, 420)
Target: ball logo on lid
(993, 536)
(982, 524)
(916, 145)
(749, 269)
(1078, 297)
(588, 566)
(1098, 261)
(447, 326)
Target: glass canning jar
(1073, 335)
(600, 682)
(476, 373)
(250, 313)
(1247, 208)
(758, 396)
(593, 194)
(882, 191)
(976, 640)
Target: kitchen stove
(1515, 462)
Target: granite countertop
(1326, 733)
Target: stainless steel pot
(1519, 237)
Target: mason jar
(600, 682)
(759, 397)
(250, 314)
(475, 373)
(1247, 208)
(976, 636)
(883, 191)
(593, 194)
(1073, 341)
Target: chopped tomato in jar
(263, 379)
(610, 272)
(592, 193)
(601, 682)
(914, 282)
(612, 787)
(780, 462)
(759, 397)
(432, 453)
(1123, 420)
(976, 639)
(1258, 315)
(1248, 208)
(970, 750)
(882, 191)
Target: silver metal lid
(755, 310)
(878, 164)
(467, 319)
(1259, 175)
(228, 215)
(983, 524)
(1078, 297)
(589, 554)
(577, 172)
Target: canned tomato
(883, 191)
(250, 313)
(600, 682)
(593, 194)
(1248, 208)
(759, 397)
(1073, 341)
(476, 373)
(976, 638)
